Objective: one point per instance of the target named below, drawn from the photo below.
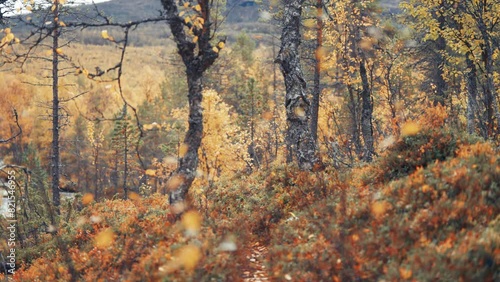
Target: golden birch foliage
(467, 27)
(224, 144)
(463, 19)
(17, 95)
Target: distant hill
(241, 16)
(237, 10)
(129, 10)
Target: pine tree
(124, 137)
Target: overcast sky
(18, 4)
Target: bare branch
(20, 130)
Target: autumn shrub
(419, 150)
(419, 146)
(134, 240)
(253, 203)
(440, 222)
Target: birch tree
(192, 30)
(300, 143)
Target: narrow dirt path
(255, 270)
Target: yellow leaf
(59, 51)
(134, 196)
(104, 239)
(29, 8)
(215, 49)
(410, 128)
(366, 44)
(53, 8)
(320, 54)
(300, 112)
(310, 23)
(221, 45)
(178, 207)
(267, 115)
(189, 256)
(174, 182)
(170, 160)
(183, 149)
(187, 19)
(186, 4)
(379, 208)
(9, 37)
(426, 188)
(191, 221)
(150, 172)
(405, 273)
(195, 39)
(7, 30)
(87, 198)
(104, 34)
(182, 13)
(197, 8)
(61, 23)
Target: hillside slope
(428, 210)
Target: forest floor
(427, 210)
(255, 271)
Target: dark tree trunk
(115, 175)
(96, 172)
(489, 87)
(440, 95)
(125, 154)
(353, 110)
(189, 162)
(317, 72)
(56, 197)
(391, 93)
(298, 136)
(197, 58)
(472, 106)
(366, 114)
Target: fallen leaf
(104, 238)
(405, 273)
(188, 257)
(87, 198)
(191, 221)
(410, 128)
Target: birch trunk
(197, 58)
(366, 114)
(56, 197)
(299, 140)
